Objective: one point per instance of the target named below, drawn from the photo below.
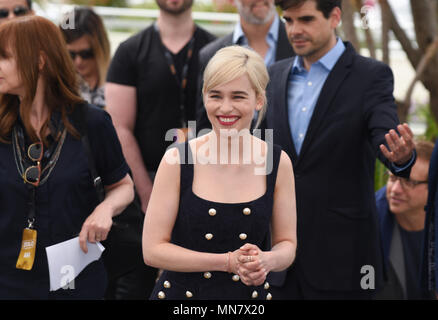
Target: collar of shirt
(239, 38)
(328, 61)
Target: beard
(247, 15)
(187, 4)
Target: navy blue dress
(63, 203)
(208, 226)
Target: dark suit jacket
(334, 174)
(429, 276)
(284, 50)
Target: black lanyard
(182, 83)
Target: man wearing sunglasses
(10, 9)
(400, 207)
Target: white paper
(66, 260)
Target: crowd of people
(225, 213)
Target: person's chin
(396, 207)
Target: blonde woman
(221, 215)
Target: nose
(226, 106)
(295, 29)
(77, 60)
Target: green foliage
(425, 114)
(379, 175)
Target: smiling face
(310, 33)
(231, 105)
(256, 11)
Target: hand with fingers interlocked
(400, 146)
(252, 265)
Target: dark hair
(88, 23)
(23, 39)
(29, 4)
(325, 6)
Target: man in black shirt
(151, 87)
(144, 90)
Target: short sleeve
(123, 68)
(105, 145)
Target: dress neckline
(191, 164)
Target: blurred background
(401, 33)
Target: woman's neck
(233, 149)
(39, 111)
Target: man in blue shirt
(400, 209)
(260, 28)
(333, 112)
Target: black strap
(273, 161)
(32, 206)
(186, 166)
(80, 118)
(182, 83)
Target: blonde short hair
(233, 62)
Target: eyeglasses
(17, 11)
(405, 183)
(84, 54)
(32, 174)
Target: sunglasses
(32, 174)
(84, 54)
(17, 11)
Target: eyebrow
(233, 92)
(301, 18)
(240, 92)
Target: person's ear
(335, 17)
(261, 98)
(41, 61)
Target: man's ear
(335, 17)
